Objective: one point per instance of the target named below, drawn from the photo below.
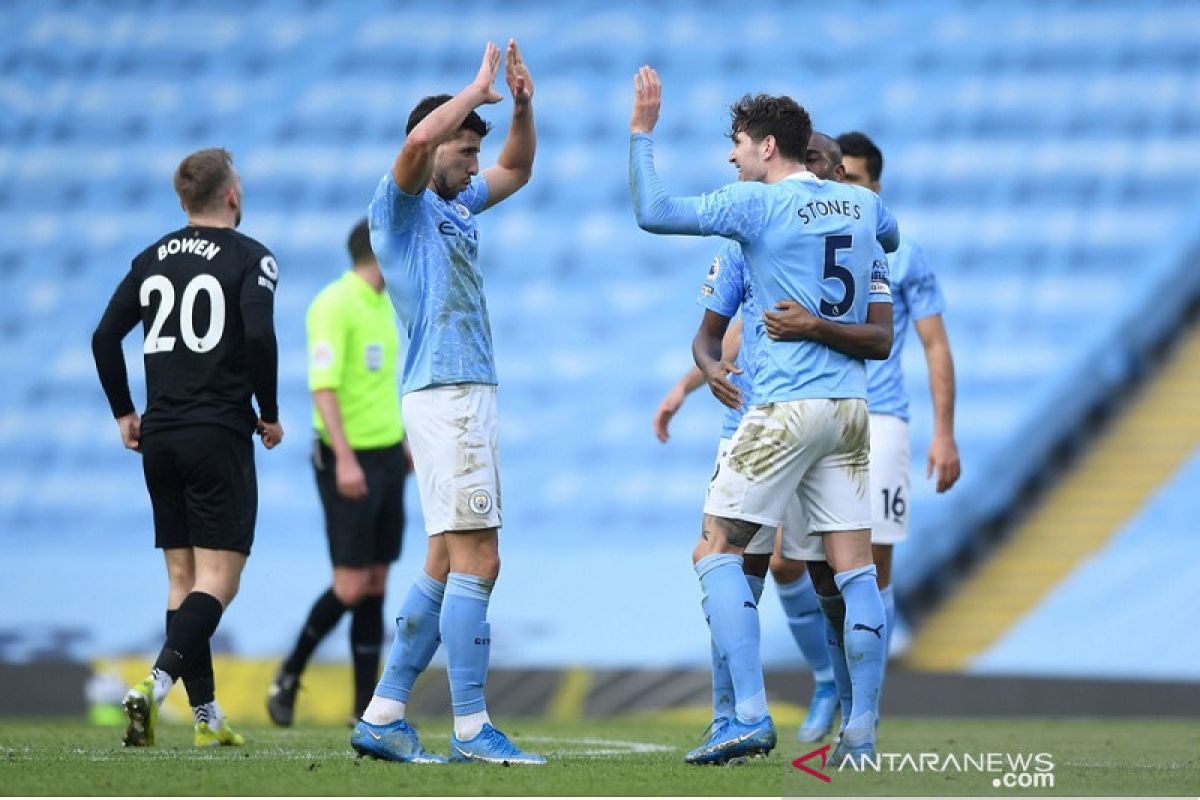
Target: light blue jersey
(725, 290)
(428, 249)
(915, 295)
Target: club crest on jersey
(374, 354)
(462, 210)
(480, 501)
(322, 355)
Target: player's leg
(836, 495)
(383, 731)
(889, 501)
(833, 611)
(805, 621)
(343, 521)
(198, 678)
(386, 471)
(165, 485)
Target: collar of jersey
(362, 288)
(802, 175)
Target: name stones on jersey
(201, 247)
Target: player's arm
(943, 451)
(123, 312)
(655, 210)
(257, 305)
(888, 231)
(692, 380)
(348, 473)
(515, 165)
(414, 164)
(872, 339)
(708, 352)
(327, 350)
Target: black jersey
(205, 298)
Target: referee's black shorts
(367, 531)
(203, 487)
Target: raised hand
(516, 74)
(486, 76)
(646, 102)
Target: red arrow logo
(823, 752)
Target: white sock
(468, 726)
(162, 684)
(209, 713)
(383, 710)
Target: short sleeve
(393, 209)
(326, 343)
(921, 288)
(725, 285)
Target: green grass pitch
(630, 756)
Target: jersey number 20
(156, 342)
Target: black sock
(321, 620)
(198, 677)
(366, 638)
(192, 625)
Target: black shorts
(367, 531)
(202, 486)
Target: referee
(205, 296)
(360, 467)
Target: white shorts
(453, 434)
(817, 450)
(797, 543)
(889, 479)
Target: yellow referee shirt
(353, 344)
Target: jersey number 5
(155, 341)
(836, 271)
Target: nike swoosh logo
(714, 748)
(376, 736)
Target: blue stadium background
(1043, 153)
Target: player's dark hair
(359, 243)
(859, 145)
(763, 115)
(201, 176)
(473, 122)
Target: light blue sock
(834, 610)
(733, 621)
(468, 640)
(865, 637)
(807, 623)
(416, 639)
(722, 682)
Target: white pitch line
(592, 748)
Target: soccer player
(205, 296)
(807, 432)
(916, 296)
(725, 291)
(360, 467)
(424, 234)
